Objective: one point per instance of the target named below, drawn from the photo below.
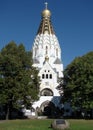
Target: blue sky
(72, 21)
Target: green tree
(19, 81)
(78, 82)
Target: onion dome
(45, 25)
(46, 13)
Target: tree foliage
(78, 79)
(19, 81)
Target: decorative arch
(47, 108)
(46, 92)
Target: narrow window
(43, 76)
(46, 76)
(46, 50)
(50, 76)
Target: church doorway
(47, 108)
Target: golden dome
(46, 13)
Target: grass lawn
(43, 124)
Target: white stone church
(47, 58)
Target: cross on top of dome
(46, 5)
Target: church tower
(47, 58)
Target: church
(47, 59)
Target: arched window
(50, 76)
(46, 76)
(46, 92)
(43, 76)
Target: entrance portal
(47, 108)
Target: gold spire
(45, 25)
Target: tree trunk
(7, 112)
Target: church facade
(47, 58)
